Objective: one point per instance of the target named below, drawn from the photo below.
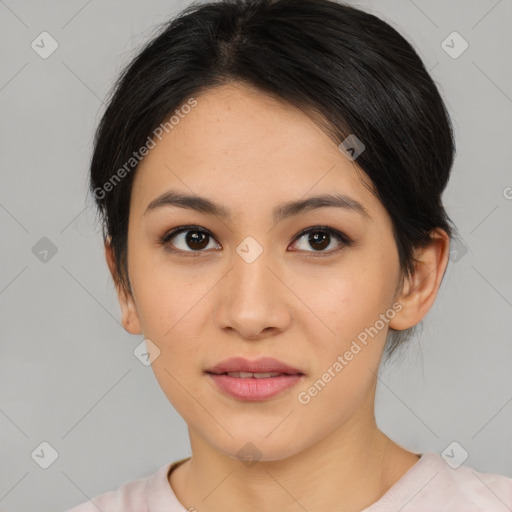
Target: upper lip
(262, 365)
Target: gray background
(68, 375)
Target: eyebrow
(280, 212)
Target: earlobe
(129, 315)
(420, 290)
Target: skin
(250, 152)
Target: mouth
(253, 380)
(255, 375)
(245, 368)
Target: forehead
(249, 148)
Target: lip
(262, 365)
(252, 388)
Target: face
(249, 284)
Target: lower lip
(253, 388)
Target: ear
(420, 290)
(130, 316)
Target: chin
(260, 448)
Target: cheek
(173, 316)
(169, 298)
(351, 299)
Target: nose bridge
(251, 273)
(250, 301)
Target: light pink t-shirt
(431, 485)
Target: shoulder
(433, 484)
(478, 491)
(129, 497)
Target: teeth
(246, 375)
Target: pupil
(314, 237)
(196, 240)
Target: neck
(346, 471)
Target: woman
(269, 175)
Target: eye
(193, 239)
(320, 238)
(187, 237)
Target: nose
(253, 298)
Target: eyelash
(344, 240)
